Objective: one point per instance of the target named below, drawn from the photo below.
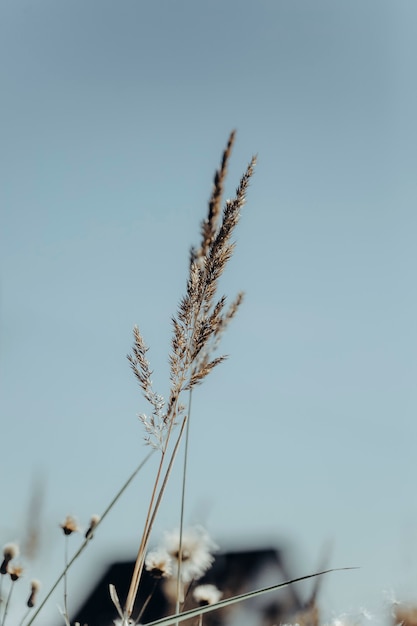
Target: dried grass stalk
(200, 321)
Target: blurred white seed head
(93, 523)
(15, 572)
(196, 552)
(207, 594)
(69, 525)
(34, 588)
(159, 563)
(10, 551)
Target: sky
(114, 118)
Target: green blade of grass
(180, 617)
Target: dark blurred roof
(232, 572)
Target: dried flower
(15, 572)
(196, 552)
(93, 523)
(10, 551)
(159, 563)
(34, 588)
(69, 525)
(207, 594)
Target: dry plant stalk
(201, 319)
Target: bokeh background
(114, 117)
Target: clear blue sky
(114, 116)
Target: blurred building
(232, 572)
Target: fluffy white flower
(207, 594)
(159, 563)
(196, 552)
